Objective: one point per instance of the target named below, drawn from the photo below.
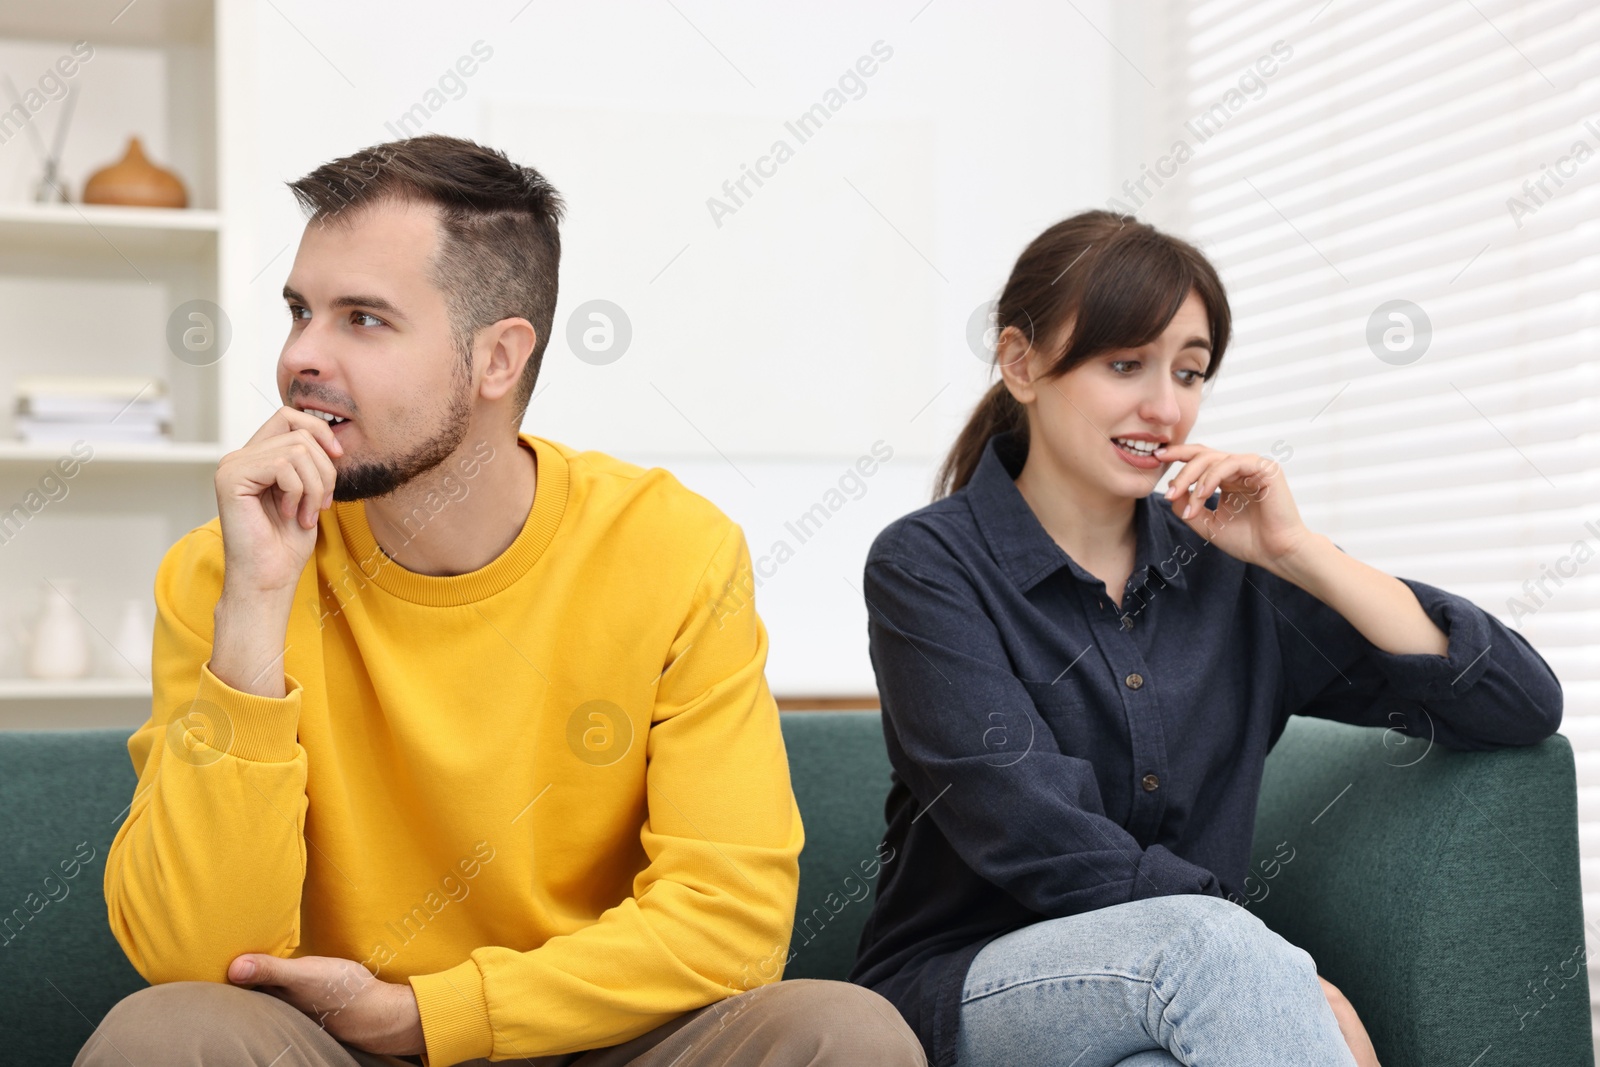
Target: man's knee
(848, 1023)
(176, 1023)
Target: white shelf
(76, 689)
(149, 23)
(109, 216)
(202, 454)
(105, 229)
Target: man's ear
(506, 347)
(1011, 351)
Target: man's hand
(1355, 1035)
(269, 494)
(342, 996)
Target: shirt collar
(1027, 553)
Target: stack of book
(99, 409)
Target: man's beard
(363, 480)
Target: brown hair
(499, 249)
(1122, 280)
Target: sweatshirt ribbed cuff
(252, 727)
(455, 1015)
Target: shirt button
(1133, 681)
(1127, 622)
(1150, 783)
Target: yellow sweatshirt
(551, 793)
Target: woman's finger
(1225, 471)
(1194, 482)
(1185, 476)
(1183, 450)
(1217, 472)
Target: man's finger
(259, 970)
(287, 419)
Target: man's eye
(358, 315)
(296, 309)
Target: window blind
(1445, 155)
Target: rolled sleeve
(1489, 690)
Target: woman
(1081, 679)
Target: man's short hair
(500, 248)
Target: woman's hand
(1256, 521)
(1355, 1035)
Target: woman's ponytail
(997, 412)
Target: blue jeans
(1170, 980)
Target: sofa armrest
(64, 794)
(1438, 889)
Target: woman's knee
(1222, 937)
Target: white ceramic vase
(130, 658)
(59, 648)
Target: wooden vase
(135, 181)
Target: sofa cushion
(840, 772)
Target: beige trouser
(787, 1024)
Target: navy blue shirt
(1053, 753)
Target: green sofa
(1438, 889)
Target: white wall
(824, 315)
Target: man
(454, 755)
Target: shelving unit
(203, 453)
(88, 289)
(91, 228)
(78, 689)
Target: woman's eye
(1117, 365)
(358, 315)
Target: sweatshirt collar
(538, 530)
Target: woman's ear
(1012, 351)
